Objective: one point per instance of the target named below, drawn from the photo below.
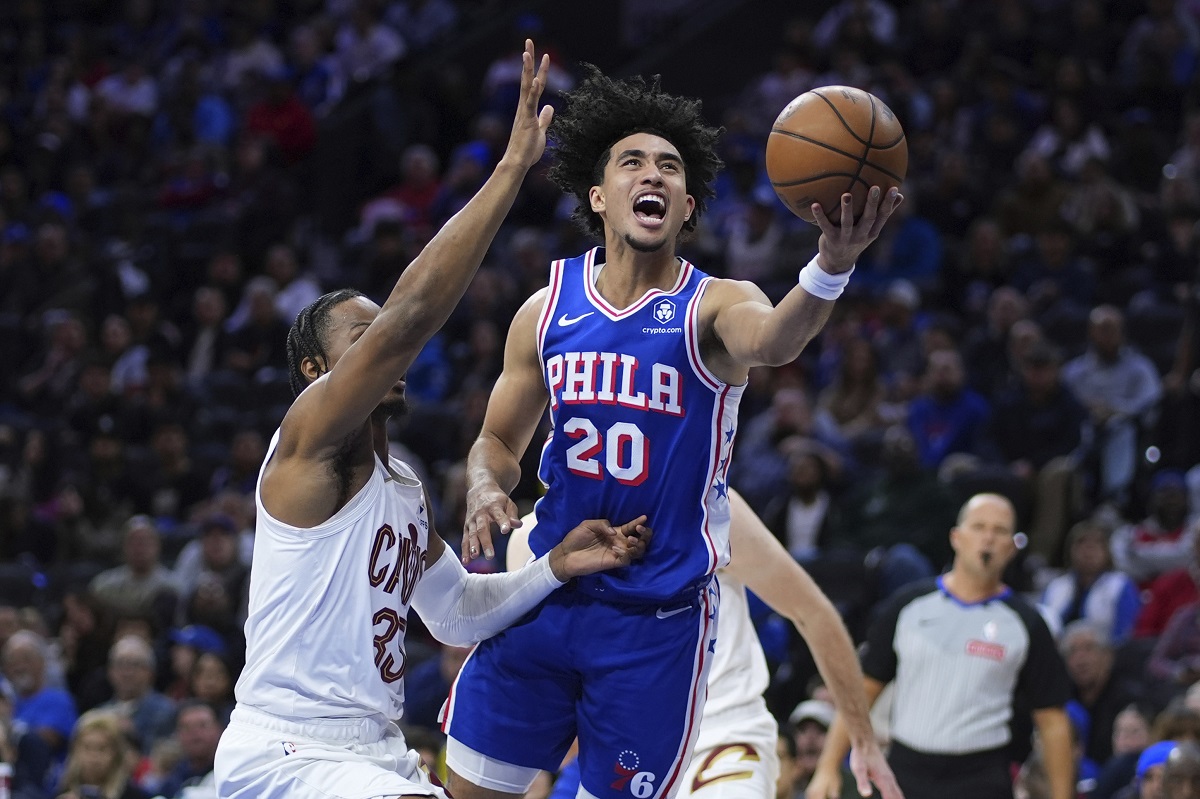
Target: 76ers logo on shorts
(641, 783)
(289, 748)
(664, 311)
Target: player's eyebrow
(663, 156)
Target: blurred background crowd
(179, 177)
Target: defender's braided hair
(306, 338)
(601, 111)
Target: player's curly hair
(307, 336)
(601, 111)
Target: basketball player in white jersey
(344, 539)
(735, 755)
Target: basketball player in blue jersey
(642, 358)
(735, 755)
(345, 542)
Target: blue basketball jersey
(640, 426)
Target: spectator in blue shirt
(44, 709)
(947, 417)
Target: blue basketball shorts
(628, 680)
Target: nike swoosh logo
(668, 614)
(565, 321)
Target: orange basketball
(832, 140)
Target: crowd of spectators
(1026, 324)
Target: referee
(959, 647)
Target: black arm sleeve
(879, 650)
(1043, 679)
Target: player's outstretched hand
(869, 766)
(527, 141)
(486, 507)
(841, 244)
(596, 545)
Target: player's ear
(312, 368)
(596, 198)
(691, 208)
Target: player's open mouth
(650, 209)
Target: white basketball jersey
(329, 604)
(738, 677)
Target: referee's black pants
(978, 775)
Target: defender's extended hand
(595, 545)
(527, 141)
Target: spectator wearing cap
(810, 722)
(148, 716)
(1163, 540)
(1121, 389)
(1036, 427)
(47, 711)
(187, 644)
(1148, 777)
(1091, 588)
(142, 585)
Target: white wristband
(819, 283)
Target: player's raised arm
(753, 333)
(340, 399)
(766, 568)
(514, 410)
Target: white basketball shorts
(265, 757)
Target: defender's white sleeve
(461, 609)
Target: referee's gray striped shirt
(957, 666)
